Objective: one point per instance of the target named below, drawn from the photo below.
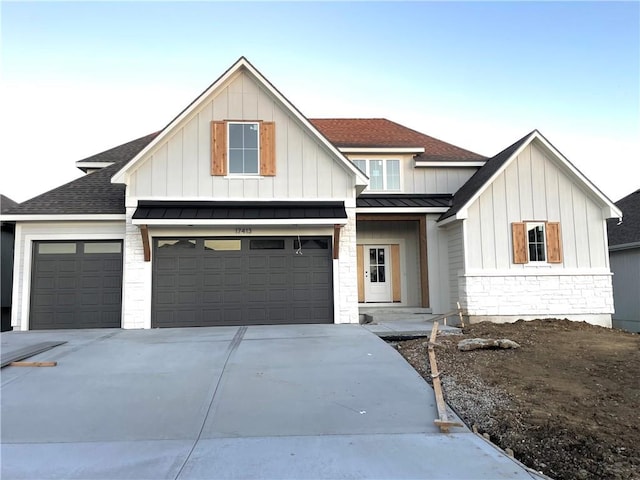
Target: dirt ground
(567, 402)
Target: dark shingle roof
(629, 230)
(403, 200)
(380, 132)
(6, 203)
(91, 194)
(121, 153)
(482, 176)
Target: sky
(78, 78)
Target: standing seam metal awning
(220, 212)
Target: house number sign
(244, 230)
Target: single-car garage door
(242, 281)
(76, 284)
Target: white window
(536, 241)
(244, 148)
(383, 174)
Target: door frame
(422, 245)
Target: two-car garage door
(241, 281)
(196, 282)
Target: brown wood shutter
(360, 262)
(268, 149)
(396, 286)
(519, 235)
(218, 148)
(554, 244)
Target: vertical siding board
(596, 233)
(501, 224)
(474, 237)
(487, 227)
(552, 191)
(159, 171)
(282, 154)
(174, 164)
(266, 106)
(221, 106)
(538, 186)
(143, 180)
(525, 184)
(190, 165)
(309, 168)
(565, 198)
(205, 180)
(581, 227)
(456, 261)
(235, 96)
(294, 173)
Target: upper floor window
(536, 242)
(244, 145)
(243, 148)
(383, 174)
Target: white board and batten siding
(180, 167)
(534, 188)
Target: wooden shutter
(218, 148)
(268, 149)
(519, 235)
(396, 286)
(360, 252)
(554, 243)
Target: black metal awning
(404, 201)
(228, 210)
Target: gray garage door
(76, 284)
(242, 281)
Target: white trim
(381, 149)
(62, 217)
(240, 221)
(28, 265)
(401, 209)
(242, 63)
(427, 163)
(132, 202)
(82, 165)
(545, 271)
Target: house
(6, 263)
(624, 255)
(243, 211)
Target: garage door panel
(76, 290)
(258, 281)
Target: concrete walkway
(308, 401)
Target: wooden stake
(443, 420)
(33, 364)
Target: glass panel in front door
(376, 265)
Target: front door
(377, 274)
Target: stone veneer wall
(506, 298)
(345, 273)
(136, 281)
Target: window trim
(244, 148)
(384, 173)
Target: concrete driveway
(308, 401)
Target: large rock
(484, 343)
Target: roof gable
(480, 181)
(383, 133)
(242, 65)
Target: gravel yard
(567, 402)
